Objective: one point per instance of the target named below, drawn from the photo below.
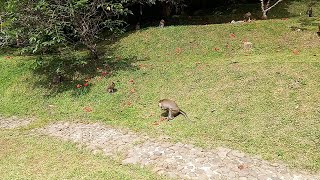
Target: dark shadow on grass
(165, 114)
(76, 71)
(227, 13)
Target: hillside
(263, 102)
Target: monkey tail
(185, 115)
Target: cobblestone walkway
(181, 161)
(13, 122)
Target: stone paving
(13, 122)
(180, 161)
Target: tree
(265, 7)
(50, 25)
(5, 7)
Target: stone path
(13, 122)
(181, 161)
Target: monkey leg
(170, 115)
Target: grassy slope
(266, 104)
(23, 156)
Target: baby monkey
(309, 12)
(172, 109)
(161, 24)
(110, 88)
(247, 17)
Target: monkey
(172, 109)
(309, 11)
(57, 79)
(138, 26)
(247, 16)
(161, 24)
(110, 88)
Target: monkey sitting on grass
(171, 109)
(111, 88)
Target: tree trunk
(265, 7)
(93, 51)
(166, 9)
(17, 40)
(268, 4)
(264, 15)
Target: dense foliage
(53, 25)
(48, 25)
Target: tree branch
(273, 5)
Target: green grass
(29, 157)
(265, 102)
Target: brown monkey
(161, 24)
(57, 78)
(309, 12)
(247, 16)
(138, 26)
(172, 109)
(110, 88)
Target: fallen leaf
(156, 123)
(87, 109)
(232, 35)
(200, 68)
(118, 58)
(178, 50)
(163, 119)
(242, 166)
(104, 73)
(296, 52)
